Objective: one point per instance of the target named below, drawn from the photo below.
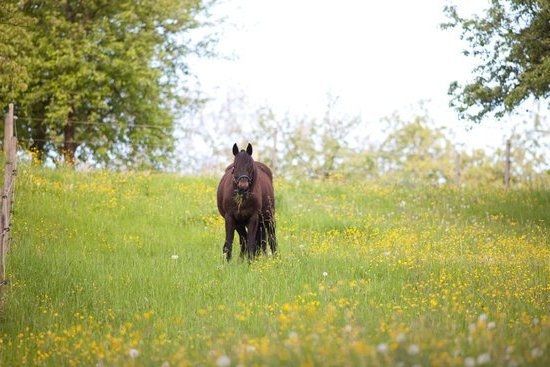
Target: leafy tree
(107, 78)
(14, 43)
(317, 148)
(529, 150)
(512, 42)
(480, 169)
(415, 152)
(212, 130)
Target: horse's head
(244, 172)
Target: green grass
(116, 269)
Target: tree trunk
(69, 145)
(38, 135)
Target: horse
(246, 201)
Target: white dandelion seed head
(382, 348)
(491, 325)
(223, 361)
(174, 257)
(250, 349)
(482, 317)
(413, 350)
(483, 358)
(325, 274)
(469, 362)
(537, 352)
(133, 353)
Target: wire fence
(109, 126)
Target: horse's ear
(235, 149)
(249, 149)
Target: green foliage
(416, 152)
(307, 147)
(106, 79)
(15, 43)
(127, 269)
(413, 150)
(512, 42)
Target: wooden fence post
(10, 154)
(508, 164)
(457, 169)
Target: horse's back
(264, 168)
(265, 180)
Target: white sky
(377, 57)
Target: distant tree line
(333, 146)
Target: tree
(415, 152)
(107, 78)
(14, 41)
(530, 148)
(317, 148)
(512, 42)
(481, 169)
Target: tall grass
(122, 269)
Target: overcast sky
(377, 57)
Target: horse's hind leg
(271, 236)
(251, 243)
(261, 238)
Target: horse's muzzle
(243, 183)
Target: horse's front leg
(252, 236)
(229, 235)
(241, 230)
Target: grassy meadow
(126, 269)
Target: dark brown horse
(246, 201)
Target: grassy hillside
(115, 269)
